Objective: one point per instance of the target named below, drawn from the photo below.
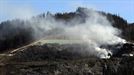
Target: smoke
(94, 32)
(93, 29)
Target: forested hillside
(16, 33)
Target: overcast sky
(11, 9)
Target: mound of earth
(64, 59)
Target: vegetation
(14, 34)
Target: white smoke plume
(95, 31)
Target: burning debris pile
(64, 59)
(120, 50)
(127, 49)
(68, 51)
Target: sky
(24, 9)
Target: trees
(17, 32)
(13, 34)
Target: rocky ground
(64, 59)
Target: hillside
(21, 32)
(53, 57)
(72, 43)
